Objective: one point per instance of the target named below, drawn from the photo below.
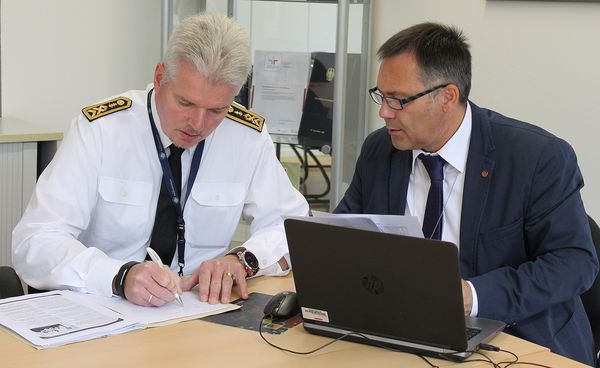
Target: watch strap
(119, 279)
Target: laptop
(388, 290)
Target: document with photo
(61, 317)
(58, 318)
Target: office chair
(591, 298)
(10, 284)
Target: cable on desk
(503, 364)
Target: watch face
(251, 260)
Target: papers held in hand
(391, 224)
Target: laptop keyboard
(472, 332)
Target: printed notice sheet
(279, 83)
(61, 317)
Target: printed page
(279, 83)
(392, 224)
(57, 318)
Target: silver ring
(150, 298)
(229, 274)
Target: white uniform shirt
(93, 208)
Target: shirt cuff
(475, 307)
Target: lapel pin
(484, 173)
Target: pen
(156, 259)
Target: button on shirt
(455, 152)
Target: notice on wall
(279, 83)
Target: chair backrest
(10, 284)
(591, 298)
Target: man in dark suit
(506, 192)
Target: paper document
(393, 224)
(279, 83)
(61, 317)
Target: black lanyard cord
(170, 182)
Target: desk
(25, 150)
(203, 344)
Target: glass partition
(311, 27)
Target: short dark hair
(441, 51)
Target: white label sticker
(315, 314)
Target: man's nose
(385, 112)
(198, 119)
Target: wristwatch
(249, 261)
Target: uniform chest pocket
(123, 208)
(213, 212)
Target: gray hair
(216, 45)
(442, 53)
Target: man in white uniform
(93, 211)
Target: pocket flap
(218, 194)
(135, 193)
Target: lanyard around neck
(170, 183)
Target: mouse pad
(250, 314)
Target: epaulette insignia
(105, 108)
(246, 117)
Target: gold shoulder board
(246, 117)
(105, 108)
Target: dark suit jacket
(525, 242)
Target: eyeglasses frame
(401, 101)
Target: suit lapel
(400, 168)
(478, 175)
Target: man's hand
(148, 284)
(215, 279)
(467, 297)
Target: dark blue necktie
(432, 221)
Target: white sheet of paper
(169, 313)
(279, 82)
(393, 224)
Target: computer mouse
(282, 305)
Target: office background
(532, 60)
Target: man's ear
(450, 97)
(159, 73)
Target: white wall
(61, 55)
(536, 61)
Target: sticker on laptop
(315, 314)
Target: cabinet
(25, 150)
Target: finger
(241, 282)
(216, 283)
(161, 284)
(187, 283)
(177, 281)
(204, 278)
(226, 286)
(173, 284)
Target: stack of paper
(61, 317)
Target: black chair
(591, 298)
(10, 284)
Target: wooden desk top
(14, 130)
(203, 344)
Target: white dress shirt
(455, 153)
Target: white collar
(455, 151)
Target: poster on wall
(279, 83)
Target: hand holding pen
(156, 259)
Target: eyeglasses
(398, 103)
